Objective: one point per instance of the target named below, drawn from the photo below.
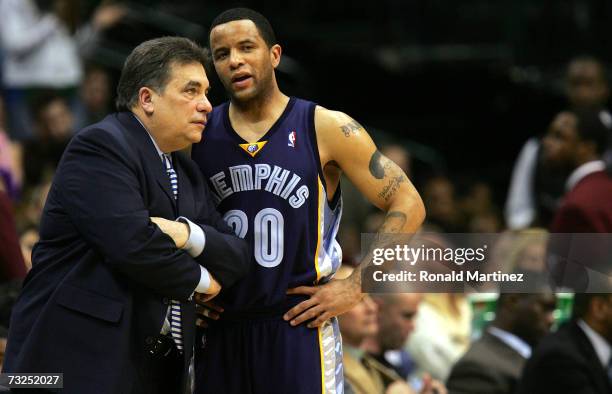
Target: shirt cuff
(204, 284)
(197, 239)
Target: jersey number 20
(268, 234)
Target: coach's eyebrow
(193, 84)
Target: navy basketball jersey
(272, 192)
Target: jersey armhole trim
(312, 135)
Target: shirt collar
(579, 173)
(602, 347)
(159, 152)
(516, 343)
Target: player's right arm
(344, 145)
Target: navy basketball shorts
(265, 355)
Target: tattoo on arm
(376, 169)
(351, 127)
(394, 222)
(381, 167)
(391, 187)
(378, 165)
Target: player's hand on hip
(178, 231)
(326, 301)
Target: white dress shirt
(602, 347)
(516, 343)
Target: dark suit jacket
(565, 362)
(103, 273)
(489, 367)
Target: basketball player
(274, 163)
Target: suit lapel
(600, 375)
(152, 161)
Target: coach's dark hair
(592, 127)
(149, 65)
(237, 14)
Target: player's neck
(259, 109)
(254, 120)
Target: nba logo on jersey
(292, 137)
(253, 148)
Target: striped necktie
(175, 306)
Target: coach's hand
(326, 301)
(178, 231)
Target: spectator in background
(479, 211)
(10, 163)
(576, 142)
(94, 97)
(43, 48)
(441, 206)
(493, 364)
(396, 314)
(575, 359)
(54, 123)
(363, 374)
(442, 333)
(11, 260)
(586, 84)
(528, 251)
(535, 189)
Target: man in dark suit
(576, 141)
(575, 359)
(108, 301)
(493, 364)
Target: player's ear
(275, 55)
(146, 100)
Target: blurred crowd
(396, 343)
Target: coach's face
(244, 62)
(178, 113)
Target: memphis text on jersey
(273, 179)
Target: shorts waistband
(269, 312)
